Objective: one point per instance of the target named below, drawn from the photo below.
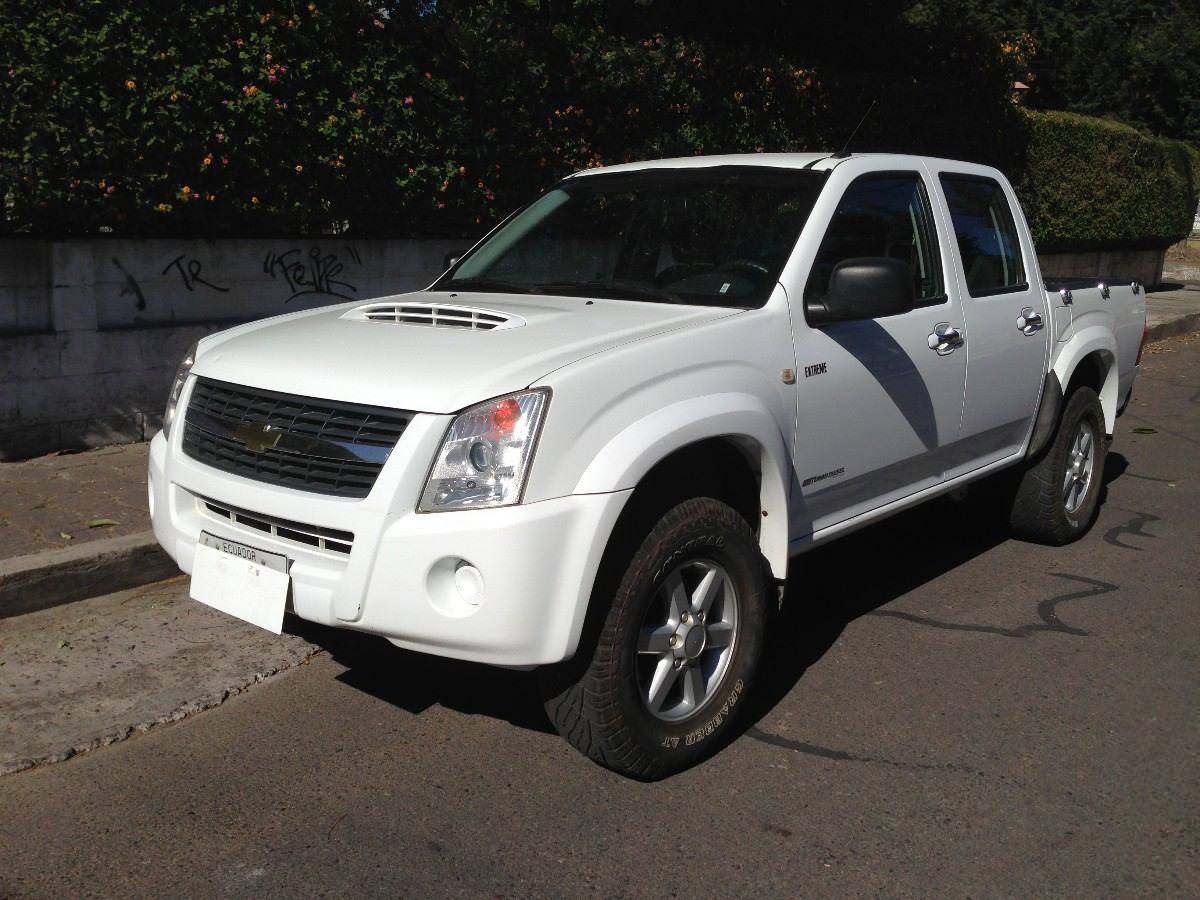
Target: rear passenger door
(1007, 322)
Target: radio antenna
(845, 151)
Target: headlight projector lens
(481, 455)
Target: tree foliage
(1136, 61)
(438, 117)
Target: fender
(631, 453)
(1049, 409)
(1093, 339)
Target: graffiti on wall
(189, 269)
(298, 272)
(314, 272)
(130, 287)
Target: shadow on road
(828, 588)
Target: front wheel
(677, 649)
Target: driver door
(878, 401)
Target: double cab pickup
(592, 446)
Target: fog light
(469, 582)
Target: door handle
(1029, 321)
(945, 339)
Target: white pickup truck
(593, 445)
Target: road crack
(1046, 610)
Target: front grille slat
(330, 539)
(221, 408)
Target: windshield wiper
(489, 284)
(624, 290)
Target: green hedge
(423, 119)
(245, 117)
(1092, 184)
(218, 118)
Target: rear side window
(885, 214)
(987, 235)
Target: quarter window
(987, 235)
(887, 214)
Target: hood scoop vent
(435, 315)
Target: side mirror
(867, 287)
(449, 260)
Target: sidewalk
(1173, 312)
(88, 674)
(47, 503)
(75, 525)
(57, 546)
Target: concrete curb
(1173, 328)
(41, 580)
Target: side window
(883, 215)
(987, 235)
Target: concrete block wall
(91, 330)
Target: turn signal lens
(505, 415)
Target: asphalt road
(945, 712)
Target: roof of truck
(781, 160)
(817, 161)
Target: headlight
(181, 375)
(486, 454)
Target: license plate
(241, 581)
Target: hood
(429, 351)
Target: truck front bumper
(534, 564)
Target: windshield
(717, 236)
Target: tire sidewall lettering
(709, 728)
(685, 551)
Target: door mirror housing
(866, 287)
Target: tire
(600, 700)
(1049, 507)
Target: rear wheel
(1058, 495)
(677, 649)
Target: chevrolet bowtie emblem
(256, 436)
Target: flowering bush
(435, 118)
(217, 119)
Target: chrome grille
(324, 446)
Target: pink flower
(408, 101)
(377, 23)
(111, 189)
(272, 78)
